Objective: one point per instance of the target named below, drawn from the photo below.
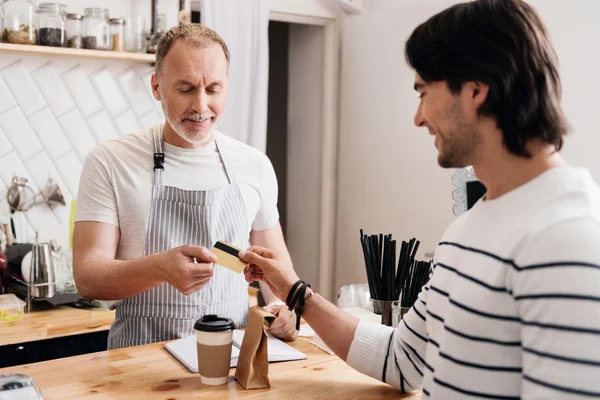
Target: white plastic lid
(10, 302)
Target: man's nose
(201, 102)
(419, 119)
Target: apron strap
(159, 155)
(228, 171)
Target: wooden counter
(41, 324)
(53, 323)
(149, 372)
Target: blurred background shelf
(82, 53)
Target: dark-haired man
(512, 309)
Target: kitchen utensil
(54, 194)
(42, 275)
(20, 196)
(12, 228)
(8, 235)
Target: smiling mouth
(199, 122)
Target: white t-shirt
(118, 176)
(512, 309)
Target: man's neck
(501, 171)
(171, 137)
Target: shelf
(81, 53)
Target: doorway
(294, 135)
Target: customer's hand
(264, 265)
(187, 268)
(284, 326)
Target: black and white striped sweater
(512, 309)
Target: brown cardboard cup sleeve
(252, 370)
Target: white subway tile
(150, 119)
(7, 100)
(19, 131)
(42, 219)
(127, 123)
(110, 93)
(50, 133)
(70, 168)
(138, 97)
(63, 213)
(79, 85)
(103, 127)
(147, 84)
(24, 232)
(41, 168)
(24, 88)
(53, 89)
(78, 133)
(5, 146)
(4, 211)
(11, 166)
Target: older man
(150, 204)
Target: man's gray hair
(194, 33)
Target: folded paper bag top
(214, 341)
(252, 370)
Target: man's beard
(457, 146)
(196, 139)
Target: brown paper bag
(252, 370)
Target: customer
(512, 308)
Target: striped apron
(186, 217)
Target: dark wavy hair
(504, 44)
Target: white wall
(576, 36)
(389, 180)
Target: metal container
(42, 283)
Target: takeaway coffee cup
(214, 337)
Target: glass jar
(96, 30)
(74, 31)
(117, 33)
(19, 21)
(51, 25)
(135, 35)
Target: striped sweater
(512, 309)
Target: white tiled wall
(53, 111)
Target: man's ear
(155, 88)
(478, 91)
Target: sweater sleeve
(395, 356)
(556, 287)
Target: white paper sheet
(184, 351)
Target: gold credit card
(227, 256)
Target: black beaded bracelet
(297, 295)
(290, 296)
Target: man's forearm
(267, 294)
(333, 325)
(103, 279)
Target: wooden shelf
(81, 53)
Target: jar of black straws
(392, 284)
(51, 25)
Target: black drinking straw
(387, 279)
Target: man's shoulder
(125, 147)
(241, 150)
